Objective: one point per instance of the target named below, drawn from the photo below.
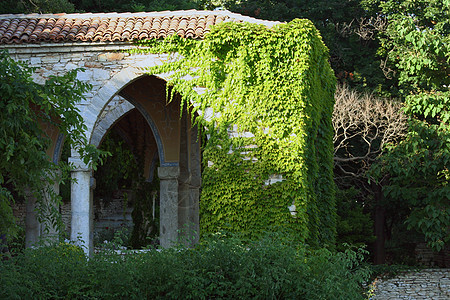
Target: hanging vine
(265, 98)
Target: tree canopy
(416, 45)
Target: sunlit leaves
(269, 92)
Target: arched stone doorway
(177, 145)
(126, 197)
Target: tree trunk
(379, 226)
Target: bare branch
(363, 125)
(369, 27)
(388, 72)
(344, 29)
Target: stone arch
(109, 118)
(179, 185)
(122, 108)
(94, 110)
(120, 80)
(156, 134)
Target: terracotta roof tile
(109, 27)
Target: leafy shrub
(44, 272)
(354, 224)
(222, 268)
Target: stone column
(32, 225)
(168, 178)
(184, 179)
(48, 230)
(195, 184)
(42, 226)
(81, 225)
(92, 186)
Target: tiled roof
(112, 27)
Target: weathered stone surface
(111, 56)
(33, 227)
(168, 177)
(425, 284)
(91, 64)
(84, 76)
(81, 205)
(50, 59)
(35, 61)
(100, 74)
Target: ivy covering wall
(265, 101)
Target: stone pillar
(42, 226)
(48, 229)
(195, 184)
(184, 179)
(32, 225)
(81, 225)
(168, 178)
(93, 185)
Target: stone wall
(424, 284)
(427, 257)
(109, 216)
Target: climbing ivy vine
(265, 98)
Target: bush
(220, 268)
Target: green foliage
(419, 179)
(32, 272)
(133, 6)
(26, 110)
(347, 29)
(218, 268)
(354, 225)
(36, 6)
(7, 220)
(417, 45)
(123, 170)
(145, 215)
(272, 90)
(120, 170)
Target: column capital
(79, 165)
(168, 172)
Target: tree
(70, 6)
(35, 6)
(27, 109)
(347, 29)
(363, 125)
(416, 48)
(135, 6)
